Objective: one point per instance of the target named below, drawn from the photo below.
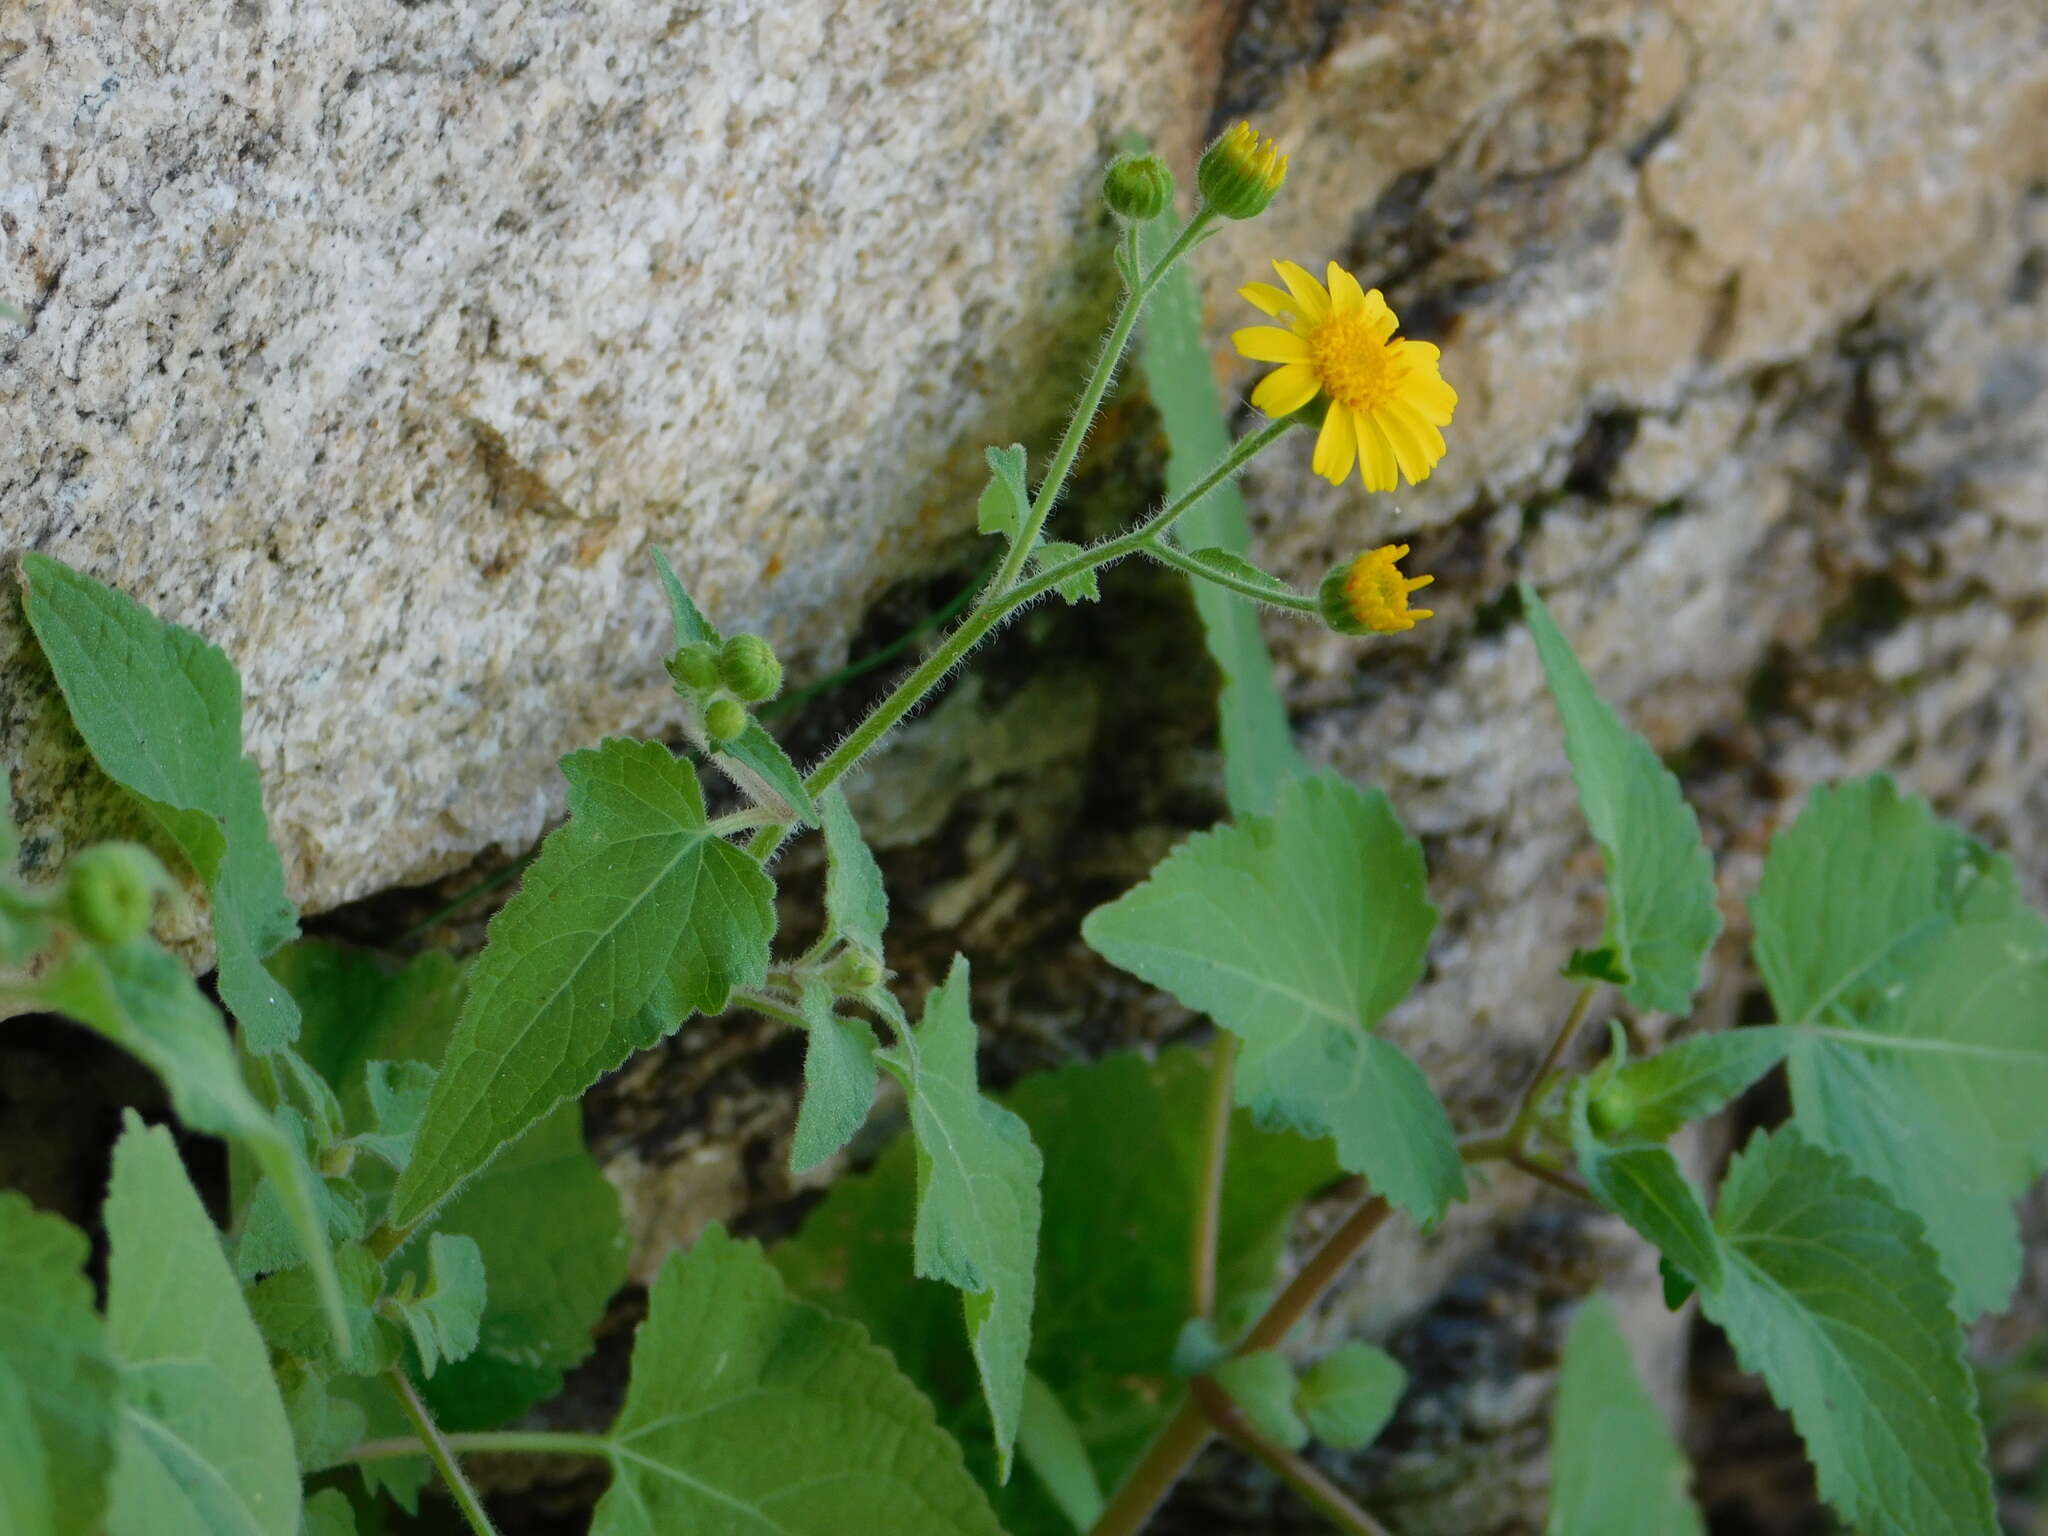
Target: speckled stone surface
(379, 341)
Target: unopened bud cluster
(1239, 173)
(724, 679)
(111, 890)
(1138, 187)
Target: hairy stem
(1209, 1195)
(1532, 1095)
(1091, 401)
(443, 1457)
(1180, 560)
(503, 1442)
(997, 605)
(1302, 1476)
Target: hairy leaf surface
(1615, 1470)
(1661, 913)
(1298, 933)
(633, 917)
(161, 711)
(1349, 1395)
(751, 1412)
(1914, 980)
(1832, 1295)
(204, 1448)
(54, 1348)
(977, 1206)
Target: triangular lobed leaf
(204, 1446)
(978, 1197)
(1615, 1470)
(1350, 1394)
(1298, 934)
(443, 1315)
(1832, 1295)
(633, 917)
(160, 709)
(751, 1412)
(839, 1079)
(1913, 980)
(755, 761)
(1262, 1385)
(1662, 917)
(1080, 588)
(1005, 502)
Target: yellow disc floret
(1369, 595)
(1386, 398)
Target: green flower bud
(1239, 173)
(695, 667)
(1612, 1110)
(110, 891)
(1137, 187)
(748, 667)
(725, 719)
(853, 970)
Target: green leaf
(1050, 1444)
(53, 1347)
(324, 1425)
(287, 1308)
(1696, 1077)
(359, 1006)
(28, 1507)
(1005, 503)
(328, 1514)
(204, 1444)
(856, 901)
(633, 916)
(1644, 1187)
(268, 1240)
(1262, 1385)
(1123, 1147)
(1259, 756)
(755, 761)
(751, 1412)
(1349, 1395)
(1600, 964)
(398, 1092)
(547, 1223)
(1831, 1294)
(977, 1206)
(1914, 979)
(140, 998)
(692, 628)
(1661, 913)
(1615, 1470)
(839, 1080)
(443, 1316)
(1298, 934)
(1079, 588)
(1236, 567)
(161, 711)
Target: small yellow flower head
(1387, 399)
(1239, 173)
(1369, 595)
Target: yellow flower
(1369, 595)
(1386, 397)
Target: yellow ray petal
(1424, 431)
(1309, 297)
(1375, 456)
(1276, 302)
(1379, 320)
(1434, 400)
(1418, 354)
(1270, 344)
(1409, 450)
(1344, 290)
(1285, 390)
(1336, 446)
